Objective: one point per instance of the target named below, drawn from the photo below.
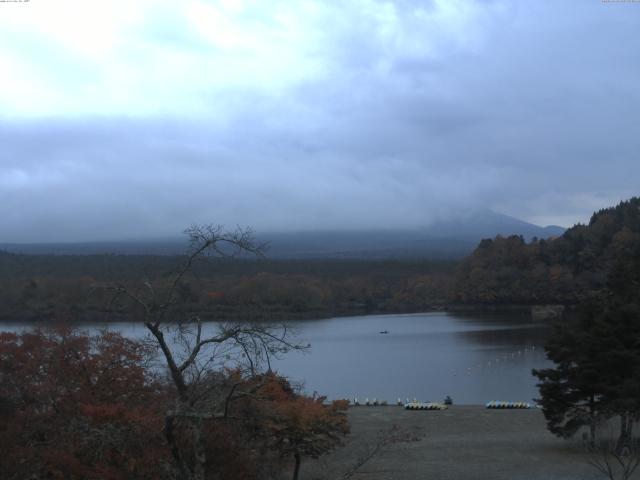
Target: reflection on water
(472, 358)
(427, 356)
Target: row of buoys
(409, 404)
(498, 404)
(375, 402)
(496, 362)
(425, 406)
(417, 405)
(367, 403)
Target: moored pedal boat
(425, 406)
(508, 405)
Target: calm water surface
(472, 358)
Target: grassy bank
(464, 442)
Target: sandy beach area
(463, 442)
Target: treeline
(564, 270)
(501, 271)
(595, 379)
(43, 287)
(188, 402)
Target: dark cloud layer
(533, 110)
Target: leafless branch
(190, 352)
(384, 439)
(611, 460)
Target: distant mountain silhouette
(481, 224)
(449, 239)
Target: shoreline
(536, 312)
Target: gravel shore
(463, 442)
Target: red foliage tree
(301, 425)
(77, 406)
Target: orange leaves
(340, 405)
(74, 406)
(301, 424)
(77, 406)
(276, 389)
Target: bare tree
(611, 458)
(195, 353)
(384, 440)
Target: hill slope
(450, 239)
(566, 269)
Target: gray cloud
(400, 117)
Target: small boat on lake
(384, 332)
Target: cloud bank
(129, 121)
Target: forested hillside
(501, 271)
(46, 287)
(562, 270)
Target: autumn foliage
(78, 406)
(565, 270)
(303, 426)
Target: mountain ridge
(449, 239)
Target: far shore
(536, 312)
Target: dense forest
(501, 271)
(69, 287)
(563, 270)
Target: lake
(473, 358)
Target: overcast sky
(123, 119)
